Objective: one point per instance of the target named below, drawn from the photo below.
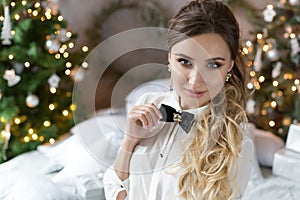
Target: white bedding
(52, 172)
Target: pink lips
(195, 93)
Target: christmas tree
(37, 72)
(275, 103)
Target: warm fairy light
(17, 17)
(41, 138)
(24, 3)
(245, 50)
(71, 45)
(256, 85)
(68, 64)
(264, 112)
(85, 48)
(35, 136)
(282, 18)
(10, 56)
(280, 93)
(68, 94)
(48, 14)
(51, 141)
(13, 32)
(1, 18)
(297, 82)
(273, 104)
(60, 18)
(275, 83)
(272, 123)
(26, 139)
(248, 43)
(288, 76)
(27, 64)
(69, 34)
(65, 113)
(37, 4)
(66, 55)
(261, 79)
(29, 11)
(47, 123)
(17, 120)
(61, 50)
(250, 86)
(35, 13)
(85, 65)
(259, 36)
(2, 119)
(266, 48)
(252, 73)
(57, 56)
(294, 88)
(64, 46)
(292, 35)
(30, 131)
(68, 72)
(51, 106)
(43, 18)
(286, 121)
(13, 4)
(72, 107)
(53, 90)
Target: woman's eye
(184, 62)
(213, 65)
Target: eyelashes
(210, 64)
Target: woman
(203, 153)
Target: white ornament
(32, 100)
(6, 35)
(294, 2)
(54, 80)
(294, 46)
(258, 60)
(11, 77)
(250, 106)
(273, 55)
(276, 70)
(269, 13)
(6, 134)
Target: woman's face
(198, 68)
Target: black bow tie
(185, 119)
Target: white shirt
(153, 171)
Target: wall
(81, 17)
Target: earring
(228, 75)
(169, 67)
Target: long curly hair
(210, 162)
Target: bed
(73, 167)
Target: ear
(231, 65)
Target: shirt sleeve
(113, 185)
(245, 163)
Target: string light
(30, 131)
(250, 86)
(51, 106)
(60, 18)
(37, 4)
(294, 88)
(273, 104)
(292, 35)
(259, 36)
(72, 107)
(266, 48)
(68, 72)
(252, 73)
(10, 56)
(68, 64)
(261, 79)
(85, 49)
(26, 139)
(66, 55)
(51, 141)
(27, 64)
(17, 120)
(17, 17)
(69, 34)
(1, 18)
(13, 4)
(57, 56)
(47, 123)
(68, 94)
(34, 136)
(71, 45)
(272, 123)
(85, 65)
(53, 90)
(275, 83)
(297, 82)
(35, 13)
(24, 3)
(29, 11)
(65, 113)
(13, 32)
(41, 138)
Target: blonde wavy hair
(210, 160)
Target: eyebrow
(190, 58)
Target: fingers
(145, 115)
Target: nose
(195, 78)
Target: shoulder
(247, 149)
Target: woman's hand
(142, 120)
